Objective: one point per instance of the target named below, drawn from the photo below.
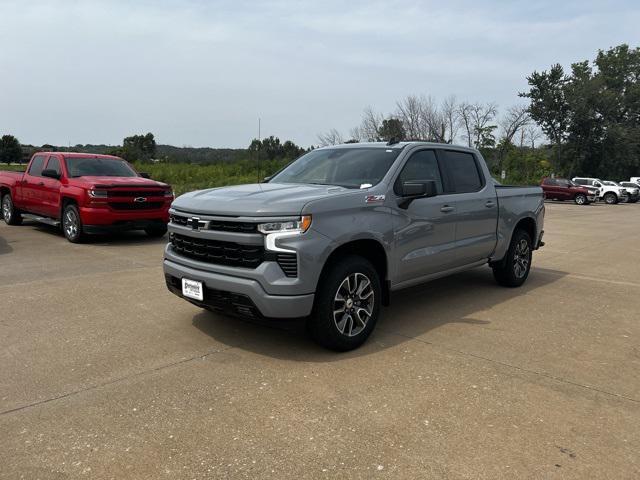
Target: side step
(49, 221)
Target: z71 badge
(374, 198)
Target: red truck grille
(136, 205)
(135, 193)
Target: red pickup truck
(85, 193)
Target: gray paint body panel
(421, 242)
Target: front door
(51, 189)
(425, 231)
(32, 185)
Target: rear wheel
(347, 304)
(514, 269)
(10, 214)
(156, 231)
(610, 198)
(72, 224)
(580, 199)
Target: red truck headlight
(98, 193)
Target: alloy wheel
(353, 304)
(7, 208)
(71, 224)
(521, 258)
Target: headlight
(98, 193)
(169, 193)
(290, 226)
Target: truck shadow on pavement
(4, 246)
(105, 240)
(412, 314)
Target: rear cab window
(463, 171)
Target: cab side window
(37, 165)
(463, 172)
(421, 166)
(54, 164)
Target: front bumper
(123, 226)
(105, 216)
(236, 295)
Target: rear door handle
(41, 184)
(490, 204)
(447, 209)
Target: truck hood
(92, 182)
(260, 199)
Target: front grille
(219, 225)
(288, 263)
(135, 193)
(136, 205)
(217, 252)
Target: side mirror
(266, 179)
(144, 175)
(410, 191)
(50, 173)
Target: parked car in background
(334, 233)
(633, 189)
(85, 193)
(632, 192)
(563, 189)
(611, 194)
(635, 180)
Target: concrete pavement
(107, 375)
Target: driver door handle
(40, 184)
(447, 209)
(490, 204)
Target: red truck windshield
(98, 167)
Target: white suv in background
(633, 189)
(611, 194)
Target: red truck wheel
(10, 214)
(72, 224)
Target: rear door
(425, 231)
(32, 185)
(476, 206)
(51, 189)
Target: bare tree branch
(332, 137)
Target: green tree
(549, 107)
(10, 149)
(139, 148)
(392, 128)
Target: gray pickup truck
(329, 237)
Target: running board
(49, 221)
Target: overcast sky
(200, 73)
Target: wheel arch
(368, 248)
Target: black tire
(346, 330)
(514, 269)
(581, 199)
(10, 214)
(72, 224)
(610, 198)
(156, 231)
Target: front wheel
(72, 224)
(514, 269)
(347, 304)
(156, 231)
(580, 199)
(10, 214)
(610, 198)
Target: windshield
(610, 183)
(359, 167)
(98, 167)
